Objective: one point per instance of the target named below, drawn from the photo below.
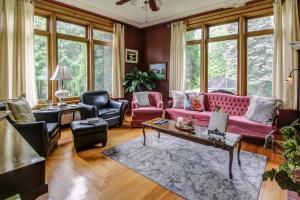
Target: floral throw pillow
(194, 101)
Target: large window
(41, 56)
(193, 60)
(222, 57)
(103, 60)
(72, 52)
(260, 42)
(71, 46)
(236, 56)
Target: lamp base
(61, 94)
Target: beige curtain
(17, 58)
(177, 57)
(285, 58)
(118, 62)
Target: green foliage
(136, 80)
(285, 175)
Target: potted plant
(136, 80)
(287, 175)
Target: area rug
(192, 170)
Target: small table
(199, 136)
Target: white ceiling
(134, 15)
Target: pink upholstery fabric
(142, 114)
(236, 106)
(233, 105)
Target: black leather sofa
(98, 104)
(42, 135)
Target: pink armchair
(142, 114)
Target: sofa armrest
(49, 116)
(116, 104)
(170, 104)
(36, 134)
(88, 111)
(134, 105)
(160, 104)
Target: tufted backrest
(231, 104)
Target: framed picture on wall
(160, 70)
(132, 56)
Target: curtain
(17, 58)
(285, 58)
(118, 62)
(177, 57)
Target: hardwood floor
(91, 175)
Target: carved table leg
(144, 133)
(239, 150)
(230, 162)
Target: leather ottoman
(86, 135)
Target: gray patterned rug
(191, 170)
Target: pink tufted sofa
(142, 114)
(235, 106)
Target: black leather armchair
(42, 135)
(98, 104)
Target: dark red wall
(157, 49)
(134, 39)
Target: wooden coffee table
(199, 136)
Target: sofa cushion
(194, 101)
(178, 99)
(51, 127)
(106, 113)
(147, 111)
(20, 110)
(248, 124)
(142, 98)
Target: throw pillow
(142, 98)
(218, 121)
(194, 101)
(262, 110)
(178, 99)
(20, 110)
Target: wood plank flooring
(91, 175)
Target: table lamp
(61, 73)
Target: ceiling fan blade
(122, 2)
(153, 5)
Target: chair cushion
(147, 111)
(248, 124)
(106, 113)
(51, 127)
(81, 128)
(21, 111)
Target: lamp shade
(61, 73)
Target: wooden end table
(199, 136)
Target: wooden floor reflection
(91, 175)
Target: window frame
(241, 17)
(46, 33)
(249, 34)
(56, 13)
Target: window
(102, 35)
(193, 60)
(260, 56)
(222, 57)
(223, 30)
(103, 60)
(222, 65)
(41, 56)
(71, 29)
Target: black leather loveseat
(98, 104)
(42, 135)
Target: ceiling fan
(153, 4)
